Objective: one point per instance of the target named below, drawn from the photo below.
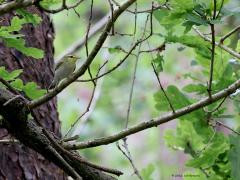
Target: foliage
(11, 36)
(209, 149)
(147, 172)
(234, 156)
(212, 154)
(30, 89)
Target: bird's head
(72, 58)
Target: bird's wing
(58, 64)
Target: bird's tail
(53, 84)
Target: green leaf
(8, 76)
(199, 45)
(185, 138)
(16, 40)
(160, 15)
(19, 44)
(5, 34)
(234, 157)
(33, 91)
(179, 4)
(3, 72)
(188, 26)
(196, 20)
(196, 175)
(116, 49)
(197, 88)
(29, 17)
(14, 74)
(147, 172)
(168, 19)
(233, 12)
(49, 3)
(208, 156)
(16, 24)
(17, 84)
(178, 99)
(158, 63)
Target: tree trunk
(16, 160)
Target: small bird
(63, 69)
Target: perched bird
(63, 69)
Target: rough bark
(16, 160)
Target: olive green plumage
(64, 69)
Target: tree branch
(156, 121)
(88, 61)
(28, 132)
(79, 43)
(13, 5)
(63, 7)
(220, 45)
(229, 33)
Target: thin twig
(61, 150)
(119, 63)
(157, 49)
(208, 143)
(12, 99)
(10, 88)
(92, 103)
(13, 5)
(73, 138)
(142, 11)
(164, 92)
(65, 83)
(220, 45)
(9, 141)
(135, 18)
(134, 77)
(87, 108)
(220, 9)
(54, 143)
(158, 120)
(79, 43)
(214, 9)
(229, 33)
(128, 156)
(227, 127)
(125, 144)
(88, 27)
(63, 7)
(111, 10)
(212, 51)
(216, 109)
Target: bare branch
(209, 89)
(125, 144)
(227, 127)
(88, 61)
(78, 44)
(9, 141)
(127, 154)
(229, 33)
(13, 5)
(88, 28)
(63, 7)
(92, 102)
(220, 45)
(158, 120)
(10, 88)
(212, 50)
